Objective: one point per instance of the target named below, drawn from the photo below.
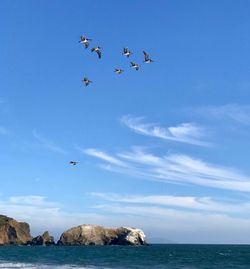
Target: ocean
(124, 257)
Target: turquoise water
(121, 257)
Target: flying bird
(86, 81)
(147, 59)
(118, 71)
(135, 66)
(126, 52)
(85, 41)
(73, 162)
(98, 51)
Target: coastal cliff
(13, 232)
(98, 235)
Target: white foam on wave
(10, 265)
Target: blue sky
(165, 149)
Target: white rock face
(87, 228)
(135, 235)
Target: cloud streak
(229, 112)
(104, 156)
(33, 200)
(35, 209)
(177, 169)
(189, 133)
(182, 202)
(45, 143)
(183, 226)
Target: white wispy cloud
(47, 143)
(230, 112)
(104, 156)
(182, 226)
(177, 168)
(34, 200)
(189, 133)
(36, 209)
(185, 202)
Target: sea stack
(42, 240)
(87, 234)
(13, 232)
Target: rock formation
(98, 235)
(42, 240)
(13, 232)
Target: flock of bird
(126, 52)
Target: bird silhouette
(98, 51)
(126, 52)
(147, 59)
(86, 81)
(118, 71)
(85, 41)
(73, 162)
(135, 66)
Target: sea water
(121, 257)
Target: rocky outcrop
(98, 235)
(42, 240)
(13, 232)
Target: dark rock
(42, 240)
